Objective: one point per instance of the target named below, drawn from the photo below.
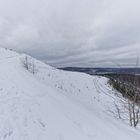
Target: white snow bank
(55, 105)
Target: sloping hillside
(55, 105)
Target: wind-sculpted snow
(56, 105)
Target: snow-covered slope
(55, 105)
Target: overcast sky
(91, 33)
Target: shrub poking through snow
(29, 64)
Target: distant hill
(95, 71)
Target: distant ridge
(95, 71)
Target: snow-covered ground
(56, 105)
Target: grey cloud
(72, 32)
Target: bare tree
(25, 63)
(130, 104)
(134, 104)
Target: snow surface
(56, 105)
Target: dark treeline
(125, 78)
(127, 85)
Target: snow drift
(55, 105)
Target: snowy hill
(56, 105)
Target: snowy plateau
(53, 104)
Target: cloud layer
(73, 32)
